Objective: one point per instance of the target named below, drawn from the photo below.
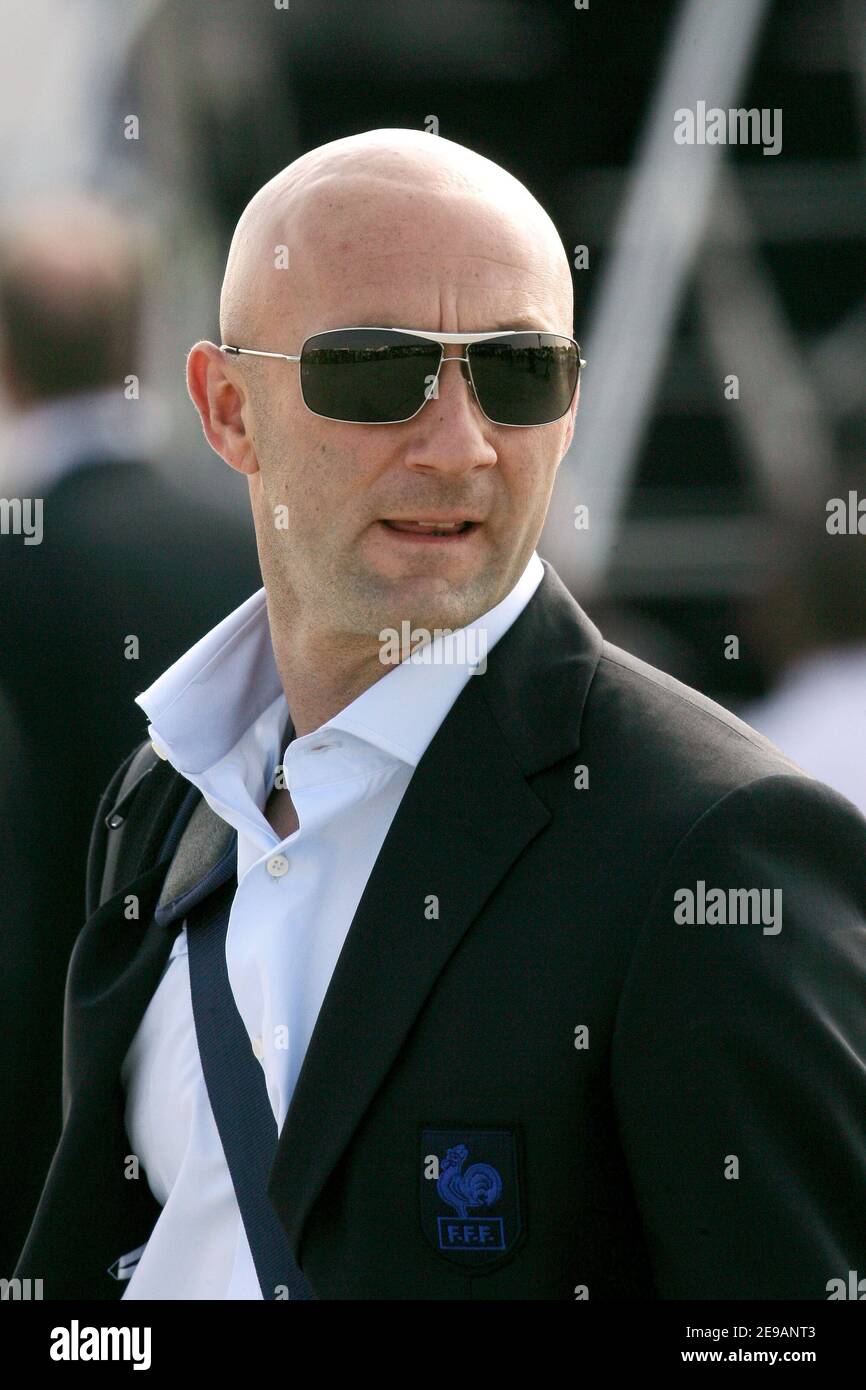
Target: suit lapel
(466, 815)
(113, 971)
(118, 961)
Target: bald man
(439, 949)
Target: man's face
(323, 488)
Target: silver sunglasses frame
(443, 339)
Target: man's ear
(221, 397)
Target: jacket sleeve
(738, 1060)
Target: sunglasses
(384, 376)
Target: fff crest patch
(470, 1194)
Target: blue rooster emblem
(479, 1186)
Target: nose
(450, 432)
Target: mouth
(434, 532)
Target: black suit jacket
(547, 1087)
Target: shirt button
(278, 865)
(258, 1048)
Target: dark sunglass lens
(524, 378)
(372, 377)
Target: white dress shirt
(218, 714)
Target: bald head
(395, 229)
(413, 217)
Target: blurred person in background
(809, 627)
(108, 571)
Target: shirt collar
(207, 701)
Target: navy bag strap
(238, 1094)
